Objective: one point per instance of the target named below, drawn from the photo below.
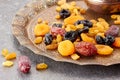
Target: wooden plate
(26, 19)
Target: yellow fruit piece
(57, 17)
(66, 48)
(38, 40)
(75, 56)
(72, 19)
(41, 29)
(87, 38)
(117, 42)
(61, 2)
(39, 20)
(93, 21)
(104, 49)
(117, 22)
(80, 26)
(101, 20)
(5, 52)
(65, 6)
(101, 34)
(82, 11)
(71, 28)
(73, 3)
(10, 56)
(58, 9)
(52, 46)
(59, 38)
(54, 41)
(41, 66)
(7, 63)
(114, 16)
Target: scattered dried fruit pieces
(38, 40)
(117, 42)
(41, 66)
(104, 49)
(5, 52)
(10, 56)
(7, 63)
(75, 56)
(66, 48)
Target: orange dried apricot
(66, 48)
(117, 42)
(104, 49)
(41, 29)
(11, 56)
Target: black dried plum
(64, 13)
(109, 40)
(48, 39)
(99, 39)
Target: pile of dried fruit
(77, 36)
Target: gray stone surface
(56, 70)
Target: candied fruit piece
(10, 56)
(86, 48)
(41, 66)
(52, 46)
(41, 29)
(117, 42)
(24, 64)
(7, 63)
(5, 52)
(59, 38)
(66, 48)
(75, 56)
(38, 40)
(113, 31)
(104, 49)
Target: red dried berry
(55, 31)
(113, 31)
(24, 64)
(86, 48)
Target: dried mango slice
(10, 56)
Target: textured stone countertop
(56, 70)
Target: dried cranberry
(113, 31)
(55, 31)
(86, 48)
(24, 64)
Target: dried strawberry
(24, 64)
(55, 31)
(86, 48)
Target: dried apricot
(10, 56)
(104, 49)
(66, 48)
(5, 52)
(41, 66)
(38, 40)
(7, 63)
(117, 42)
(41, 29)
(52, 46)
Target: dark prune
(86, 48)
(84, 30)
(55, 31)
(59, 25)
(71, 35)
(109, 40)
(64, 13)
(24, 64)
(113, 31)
(48, 39)
(85, 22)
(99, 39)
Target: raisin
(64, 13)
(71, 35)
(84, 30)
(86, 48)
(59, 25)
(85, 22)
(113, 31)
(109, 40)
(48, 39)
(24, 64)
(55, 31)
(99, 39)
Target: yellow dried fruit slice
(10, 56)
(5, 52)
(66, 48)
(41, 29)
(38, 40)
(7, 63)
(41, 66)
(104, 49)
(75, 56)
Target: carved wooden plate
(26, 19)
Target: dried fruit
(7, 63)
(59, 38)
(117, 42)
(10, 56)
(84, 30)
(75, 56)
(99, 39)
(71, 35)
(113, 31)
(109, 40)
(41, 66)
(5, 52)
(64, 13)
(104, 49)
(55, 31)
(59, 25)
(52, 46)
(41, 29)
(38, 40)
(39, 20)
(24, 64)
(86, 48)
(66, 48)
(48, 39)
